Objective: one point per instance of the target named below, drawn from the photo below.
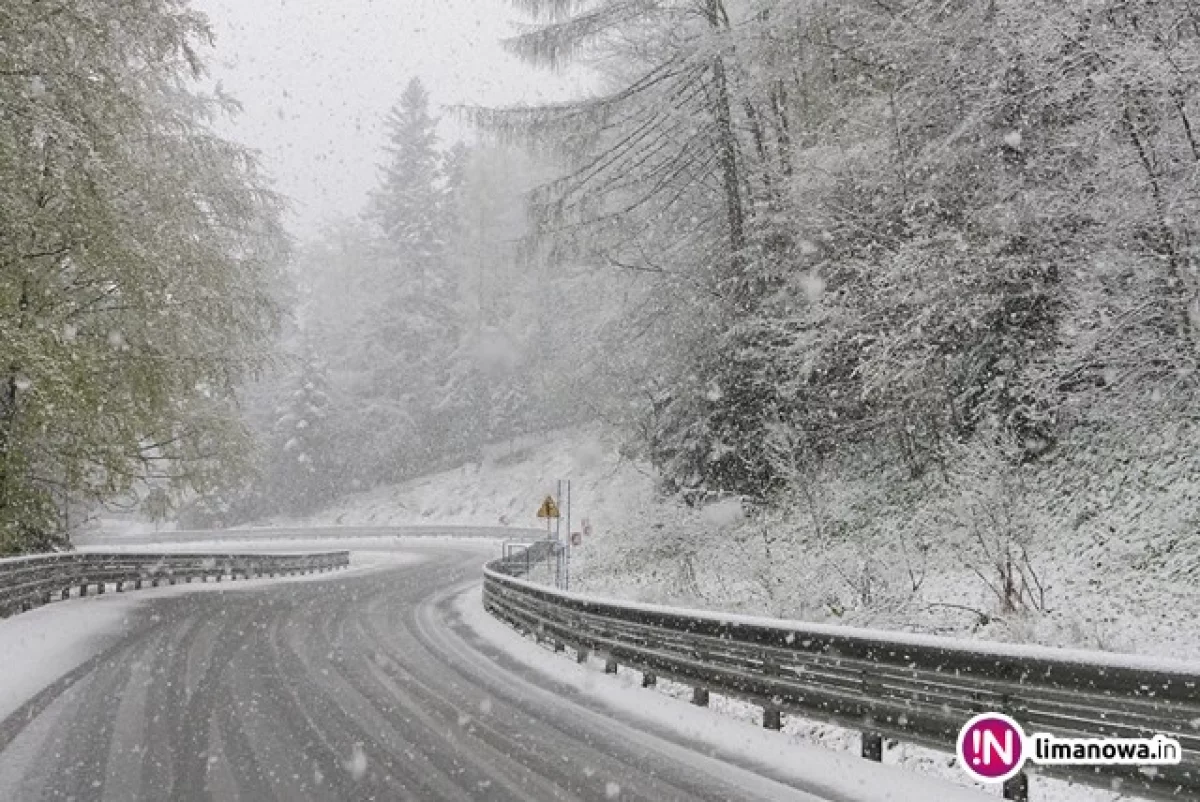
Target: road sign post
(567, 569)
(549, 511)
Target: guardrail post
(83, 588)
(100, 587)
(610, 666)
(649, 680)
(772, 718)
(872, 742)
(700, 697)
(66, 593)
(581, 655)
(872, 746)
(1017, 787)
(559, 646)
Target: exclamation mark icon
(991, 747)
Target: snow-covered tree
(406, 205)
(302, 455)
(136, 249)
(662, 183)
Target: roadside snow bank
(826, 773)
(44, 644)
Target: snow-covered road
(367, 685)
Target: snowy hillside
(1094, 550)
(506, 487)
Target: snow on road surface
(369, 687)
(363, 549)
(45, 644)
(372, 550)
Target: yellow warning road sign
(548, 509)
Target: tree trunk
(727, 152)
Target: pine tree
(303, 466)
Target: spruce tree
(413, 331)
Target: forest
(944, 248)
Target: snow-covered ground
(1113, 564)
(1101, 592)
(365, 550)
(44, 644)
(506, 488)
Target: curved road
(360, 687)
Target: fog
(316, 79)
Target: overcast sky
(316, 78)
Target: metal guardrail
(27, 582)
(911, 688)
(520, 558)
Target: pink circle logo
(991, 747)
